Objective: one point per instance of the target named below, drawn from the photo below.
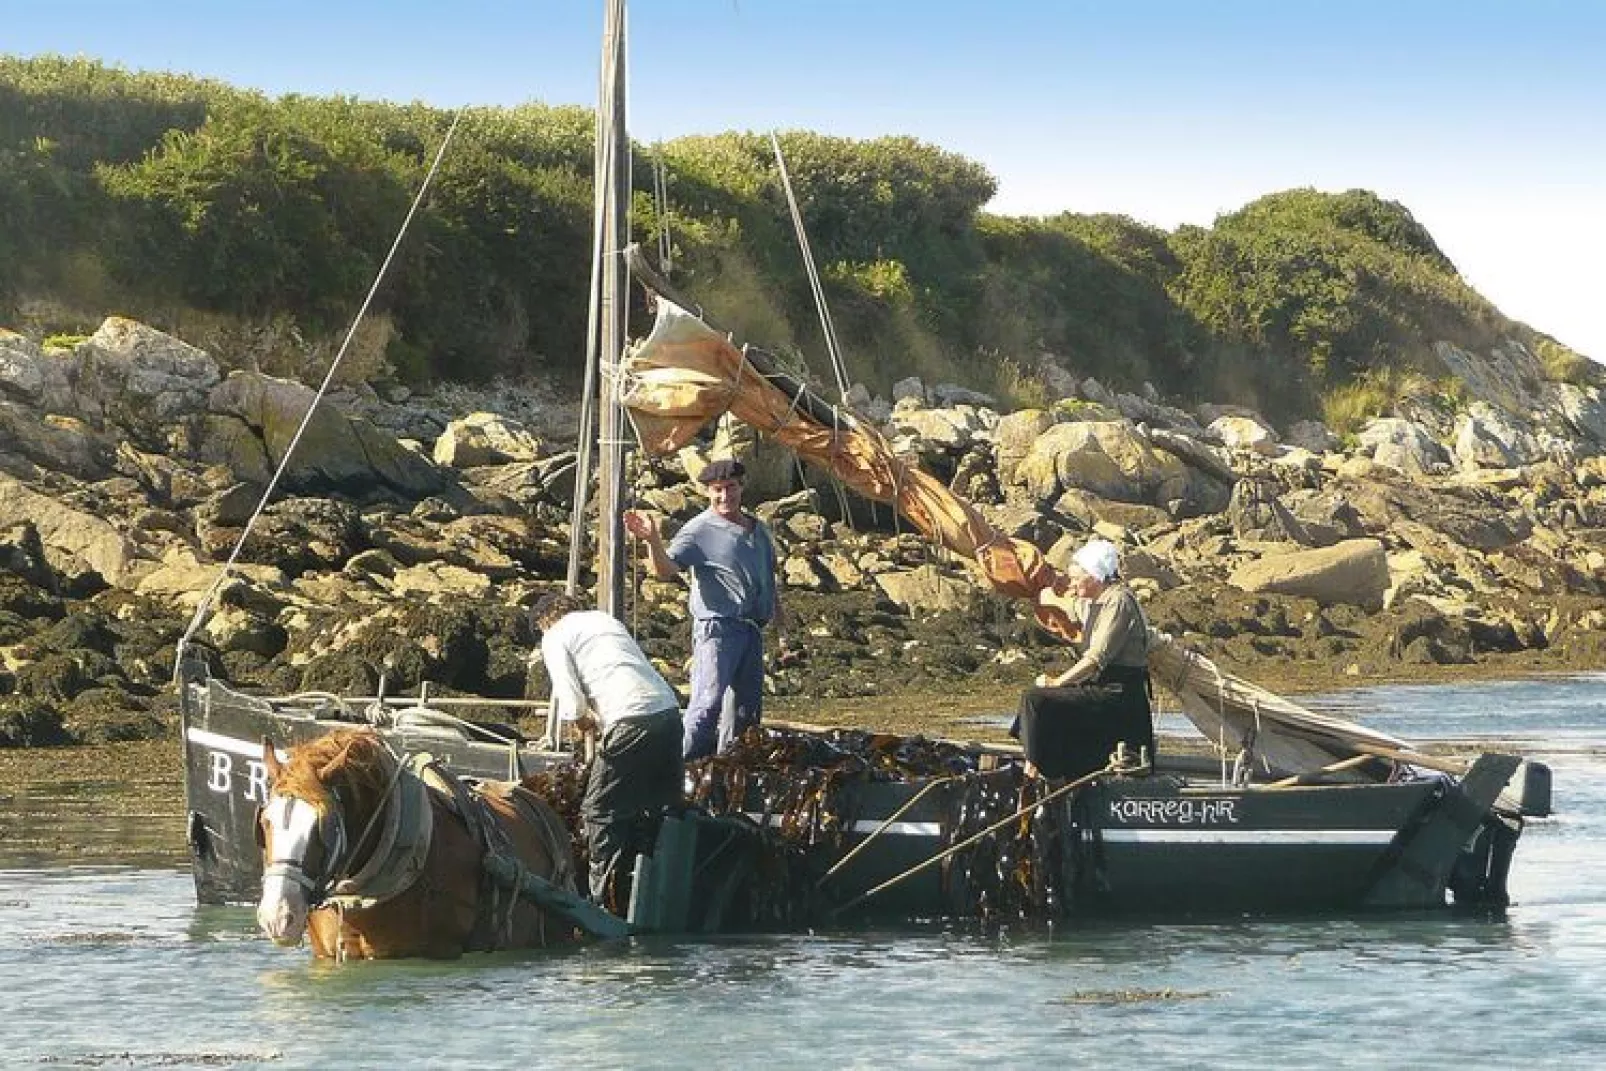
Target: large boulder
(138, 379)
(928, 589)
(1404, 446)
(1015, 434)
(1244, 433)
(335, 452)
(75, 542)
(1312, 435)
(31, 375)
(1468, 515)
(1581, 408)
(1489, 438)
(55, 443)
(1355, 571)
(485, 439)
(1506, 376)
(1107, 457)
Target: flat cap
(725, 468)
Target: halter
(331, 833)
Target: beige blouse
(1114, 633)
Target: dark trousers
(727, 684)
(1069, 732)
(636, 774)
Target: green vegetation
(1562, 364)
(170, 198)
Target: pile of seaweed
(802, 786)
(795, 795)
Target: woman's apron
(1072, 731)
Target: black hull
(1153, 845)
(225, 780)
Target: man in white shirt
(602, 681)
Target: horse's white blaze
(282, 911)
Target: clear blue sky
(1486, 119)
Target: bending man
(731, 558)
(601, 680)
(1070, 723)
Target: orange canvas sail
(685, 374)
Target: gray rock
(1582, 408)
(1311, 435)
(137, 378)
(31, 375)
(485, 439)
(1014, 436)
(55, 443)
(1403, 446)
(1489, 438)
(74, 542)
(951, 394)
(335, 452)
(1354, 571)
(1508, 375)
(928, 589)
(910, 389)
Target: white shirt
(594, 662)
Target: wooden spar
(614, 183)
(561, 902)
(1414, 758)
(1332, 767)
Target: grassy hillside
(182, 202)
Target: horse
(374, 859)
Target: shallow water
(116, 966)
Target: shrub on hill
(151, 193)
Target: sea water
(116, 966)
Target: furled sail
(685, 374)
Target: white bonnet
(1099, 560)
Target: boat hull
(1157, 845)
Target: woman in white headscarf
(1071, 722)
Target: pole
(614, 182)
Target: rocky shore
(1456, 537)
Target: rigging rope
(827, 326)
(323, 388)
(660, 193)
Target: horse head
(321, 799)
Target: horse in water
(373, 863)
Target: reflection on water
(118, 960)
(40, 823)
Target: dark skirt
(1070, 732)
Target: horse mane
(356, 756)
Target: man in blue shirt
(731, 559)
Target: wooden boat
(1179, 838)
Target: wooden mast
(607, 329)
